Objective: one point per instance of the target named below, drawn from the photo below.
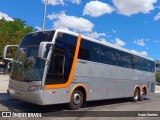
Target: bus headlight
(35, 88)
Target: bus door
(56, 76)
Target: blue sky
(132, 24)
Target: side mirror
(9, 52)
(44, 49)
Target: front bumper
(35, 97)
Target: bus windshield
(26, 64)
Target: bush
(158, 77)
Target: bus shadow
(18, 105)
(13, 104)
(110, 102)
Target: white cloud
(95, 35)
(157, 17)
(143, 53)
(140, 42)
(130, 7)
(156, 41)
(61, 2)
(76, 1)
(6, 17)
(157, 7)
(54, 2)
(37, 28)
(64, 21)
(114, 31)
(77, 24)
(119, 42)
(97, 8)
(103, 40)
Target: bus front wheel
(76, 100)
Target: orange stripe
(137, 86)
(72, 69)
(78, 85)
(143, 88)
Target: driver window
(57, 63)
(56, 70)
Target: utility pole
(44, 15)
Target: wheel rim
(143, 94)
(136, 95)
(76, 98)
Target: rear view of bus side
(53, 67)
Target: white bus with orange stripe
(58, 66)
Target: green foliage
(12, 32)
(158, 77)
(11, 52)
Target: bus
(59, 66)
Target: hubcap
(143, 94)
(76, 98)
(136, 95)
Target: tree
(158, 77)
(12, 32)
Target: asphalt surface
(4, 80)
(151, 103)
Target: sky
(131, 24)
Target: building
(2, 67)
(157, 65)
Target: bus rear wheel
(136, 95)
(76, 100)
(142, 97)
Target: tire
(142, 97)
(76, 100)
(136, 96)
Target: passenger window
(107, 55)
(89, 51)
(124, 59)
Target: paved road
(8, 103)
(4, 80)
